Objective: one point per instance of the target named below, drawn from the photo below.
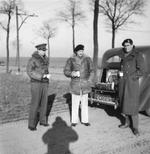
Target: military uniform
(37, 67)
(129, 86)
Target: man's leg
(75, 108)
(84, 108)
(127, 122)
(35, 100)
(135, 122)
(43, 105)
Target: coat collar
(131, 53)
(39, 57)
(75, 56)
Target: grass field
(15, 95)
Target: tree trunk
(95, 37)
(113, 36)
(73, 37)
(7, 43)
(17, 29)
(48, 43)
(73, 30)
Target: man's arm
(67, 69)
(31, 70)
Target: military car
(106, 89)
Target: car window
(114, 59)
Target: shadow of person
(115, 113)
(50, 102)
(112, 112)
(67, 96)
(58, 137)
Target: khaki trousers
(76, 100)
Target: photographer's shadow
(111, 111)
(50, 101)
(67, 96)
(58, 137)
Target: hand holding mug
(75, 74)
(47, 76)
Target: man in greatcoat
(37, 70)
(129, 85)
(79, 68)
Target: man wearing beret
(37, 70)
(79, 68)
(131, 67)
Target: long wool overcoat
(129, 84)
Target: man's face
(128, 47)
(42, 52)
(80, 53)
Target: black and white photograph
(74, 77)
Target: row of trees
(117, 13)
(9, 8)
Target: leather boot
(136, 132)
(127, 123)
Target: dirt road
(102, 137)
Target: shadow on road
(58, 137)
(50, 102)
(67, 96)
(111, 111)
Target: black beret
(127, 41)
(41, 46)
(79, 47)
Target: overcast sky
(61, 44)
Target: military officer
(129, 89)
(37, 70)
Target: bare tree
(72, 14)
(95, 36)
(7, 7)
(118, 13)
(47, 31)
(23, 16)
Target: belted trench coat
(129, 84)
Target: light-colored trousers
(76, 99)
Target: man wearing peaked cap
(37, 70)
(41, 46)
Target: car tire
(148, 112)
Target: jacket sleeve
(139, 65)
(68, 68)
(32, 72)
